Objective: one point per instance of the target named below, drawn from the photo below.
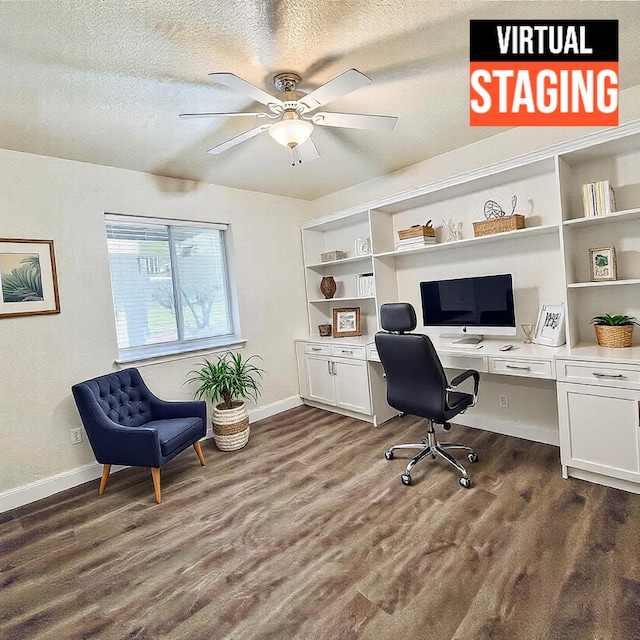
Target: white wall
(42, 356)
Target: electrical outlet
(503, 400)
(76, 436)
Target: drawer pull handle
(346, 351)
(617, 376)
(316, 349)
(513, 366)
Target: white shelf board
(628, 214)
(318, 265)
(603, 283)
(518, 233)
(356, 298)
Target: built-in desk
(517, 387)
(523, 360)
(592, 412)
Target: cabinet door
(352, 385)
(599, 429)
(320, 379)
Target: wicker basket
(231, 427)
(420, 231)
(614, 335)
(498, 225)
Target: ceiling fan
(295, 112)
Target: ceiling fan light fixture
(291, 132)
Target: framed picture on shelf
(549, 329)
(28, 282)
(602, 264)
(346, 322)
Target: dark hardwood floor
(308, 534)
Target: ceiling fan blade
(232, 142)
(341, 85)
(257, 114)
(355, 121)
(307, 151)
(236, 83)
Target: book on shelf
(412, 243)
(365, 285)
(598, 199)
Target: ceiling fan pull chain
(295, 156)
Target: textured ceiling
(103, 81)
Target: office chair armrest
(458, 380)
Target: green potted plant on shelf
(614, 331)
(227, 383)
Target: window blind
(170, 283)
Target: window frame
(183, 346)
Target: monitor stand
(468, 341)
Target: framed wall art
(346, 322)
(28, 280)
(549, 329)
(602, 264)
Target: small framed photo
(602, 263)
(549, 329)
(28, 282)
(346, 322)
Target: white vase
(230, 427)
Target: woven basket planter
(230, 427)
(614, 335)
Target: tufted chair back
(123, 396)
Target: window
(171, 286)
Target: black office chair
(417, 385)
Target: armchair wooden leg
(106, 468)
(196, 446)
(155, 474)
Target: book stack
(364, 285)
(598, 198)
(412, 243)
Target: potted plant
(614, 331)
(226, 383)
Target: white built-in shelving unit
(577, 389)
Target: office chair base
(430, 446)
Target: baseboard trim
(46, 487)
(20, 496)
(515, 429)
(273, 409)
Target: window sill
(180, 353)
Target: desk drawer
(348, 351)
(517, 367)
(606, 374)
(479, 363)
(372, 353)
(318, 349)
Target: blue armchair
(128, 425)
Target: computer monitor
(475, 306)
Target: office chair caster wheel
(472, 458)
(388, 455)
(465, 482)
(406, 479)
